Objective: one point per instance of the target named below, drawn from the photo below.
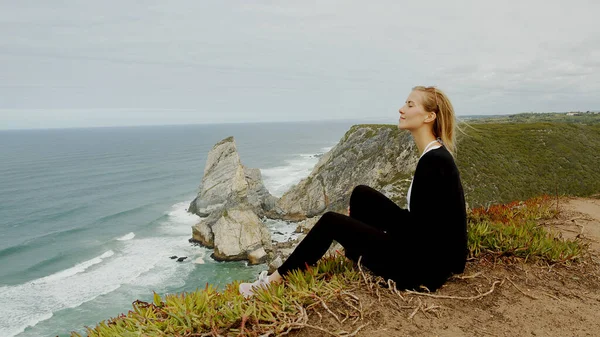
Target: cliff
(380, 156)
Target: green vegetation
(501, 162)
(372, 130)
(513, 230)
(501, 231)
(275, 310)
(532, 117)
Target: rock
(334, 249)
(223, 178)
(258, 196)
(285, 252)
(227, 183)
(305, 225)
(276, 263)
(257, 256)
(181, 259)
(231, 199)
(199, 260)
(203, 234)
(173, 257)
(237, 232)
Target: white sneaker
(247, 289)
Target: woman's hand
(348, 210)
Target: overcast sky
(104, 63)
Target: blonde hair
(435, 100)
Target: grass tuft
(513, 230)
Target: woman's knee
(329, 220)
(358, 192)
(359, 189)
(329, 217)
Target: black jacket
(434, 232)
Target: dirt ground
(489, 299)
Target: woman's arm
(438, 211)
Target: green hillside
(502, 161)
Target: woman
(416, 247)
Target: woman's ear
(430, 117)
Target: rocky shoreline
(234, 203)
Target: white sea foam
(327, 148)
(179, 213)
(281, 231)
(78, 268)
(143, 262)
(126, 237)
(179, 220)
(17, 301)
(279, 179)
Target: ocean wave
(126, 237)
(280, 178)
(78, 268)
(116, 215)
(37, 241)
(48, 213)
(137, 263)
(180, 214)
(327, 148)
(18, 300)
(178, 220)
(141, 262)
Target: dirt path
(525, 299)
(586, 215)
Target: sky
(116, 63)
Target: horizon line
(377, 118)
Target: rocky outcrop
(226, 182)
(231, 198)
(258, 196)
(380, 156)
(306, 225)
(234, 234)
(258, 256)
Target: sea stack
(231, 200)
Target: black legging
(366, 233)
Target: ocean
(89, 217)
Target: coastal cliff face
(231, 198)
(380, 156)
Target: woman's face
(412, 114)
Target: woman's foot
(247, 289)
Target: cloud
(295, 60)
